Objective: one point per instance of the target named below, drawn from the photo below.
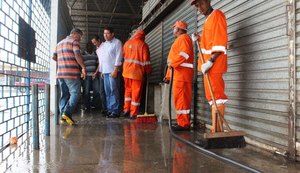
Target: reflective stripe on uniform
(204, 51)
(214, 48)
(188, 65)
(135, 103)
(127, 98)
(137, 62)
(219, 48)
(183, 111)
(185, 55)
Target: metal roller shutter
(161, 38)
(184, 12)
(154, 40)
(298, 79)
(257, 81)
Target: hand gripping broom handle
(212, 93)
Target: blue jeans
(102, 94)
(69, 95)
(112, 93)
(89, 84)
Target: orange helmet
(181, 24)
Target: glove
(206, 66)
(166, 81)
(168, 63)
(195, 37)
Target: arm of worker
(119, 58)
(78, 57)
(114, 74)
(96, 72)
(208, 64)
(54, 56)
(79, 60)
(182, 47)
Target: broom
(223, 139)
(146, 118)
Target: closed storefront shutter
(297, 62)
(161, 38)
(184, 12)
(154, 40)
(257, 81)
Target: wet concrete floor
(98, 144)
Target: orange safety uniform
(136, 64)
(214, 39)
(181, 58)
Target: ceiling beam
(114, 25)
(131, 7)
(98, 13)
(72, 4)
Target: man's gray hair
(76, 30)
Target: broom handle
(211, 92)
(146, 101)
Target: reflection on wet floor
(98, 144)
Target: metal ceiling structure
(91, 16)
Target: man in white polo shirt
(110, 60)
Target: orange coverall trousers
(133, 92)
(218, 87)
(182, 93)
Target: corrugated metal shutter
(161, 38)
(298, 77)
(257, 78)
(154, 40)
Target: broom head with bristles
(230, 139)
(146, 118)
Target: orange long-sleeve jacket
(136, 58)
(181, 58)
(214, 39)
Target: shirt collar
(110, 40)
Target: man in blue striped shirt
(69, 60)
(91, 82)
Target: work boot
(69, 120)
(126, 114)
(177, 127)
(132, 117)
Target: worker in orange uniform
(136, 65)
(213, 44)
(181, 59)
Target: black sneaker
(107, 113)
(177, 127)
(126, 114)
(113, 115)
(132, 117)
